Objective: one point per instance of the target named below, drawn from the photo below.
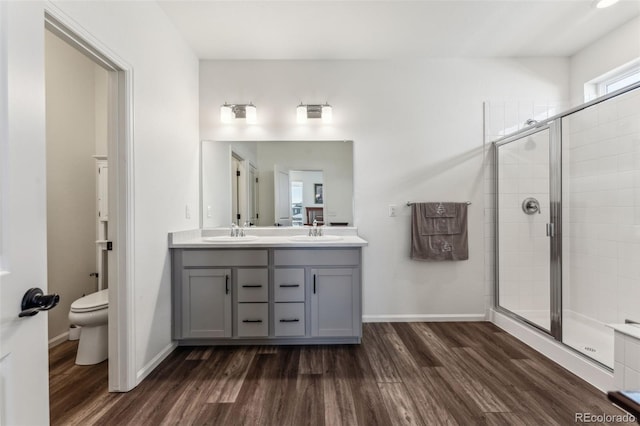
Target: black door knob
(34, 301)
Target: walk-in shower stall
(568, 223)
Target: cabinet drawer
(288, 285)
(317, 257)
(253, 285)
(224, 258)
(289, 319)
(253, 319)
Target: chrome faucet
(245, 225)
(234, 230)
(315, 231)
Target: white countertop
(266, 237)
(628, 329)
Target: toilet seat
(91, 302)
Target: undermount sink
(320, 238)
(229, 239)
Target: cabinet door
(335, 302)
(206, 303)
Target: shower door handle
(551, 230)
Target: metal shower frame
(554, 126)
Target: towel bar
(413, 202)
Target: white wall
(417, 128)
(71, 188)
(165, 139)
(618, 48)
(101, 80)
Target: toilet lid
(91, 302)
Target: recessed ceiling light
(601, 4)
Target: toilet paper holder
(34, 301)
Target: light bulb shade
(301, 114)
(226, 113)
(327, 114)
(251, 114)
(601, 4)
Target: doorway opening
(108, 227)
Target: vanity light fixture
(305, 112)
(229, 112)
(601, 4)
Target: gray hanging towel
(439, 231)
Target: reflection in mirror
(279, 183)
(306, 196)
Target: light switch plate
(392, 210)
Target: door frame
(555, 220)
(122, 373)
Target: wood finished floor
(401, 374)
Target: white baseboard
(58, 339)
(596, 375)
(424, 318)
(151, 365)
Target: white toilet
(90, 312)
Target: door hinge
(238, 216)
(237, 172)
(257, 216)
(109, 245)
(256, 180)
(551, 230)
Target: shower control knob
(531, 206)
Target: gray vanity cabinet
(267, 295)
(206, 303)
(335, 302)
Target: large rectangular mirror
(276, 183)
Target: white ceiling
(361, 29)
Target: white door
(282, 197)
(24, 379)
(253, 195)
(235, 196)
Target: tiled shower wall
(601, 215)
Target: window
(613, 80)
(612, 85)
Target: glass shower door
(525, 223)
(601, 203)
